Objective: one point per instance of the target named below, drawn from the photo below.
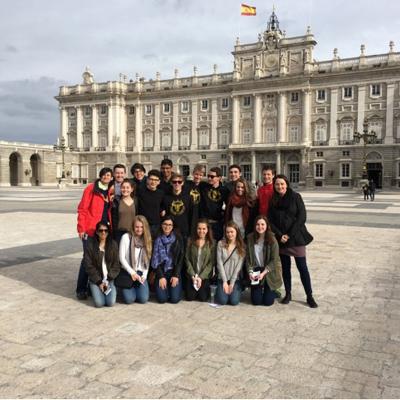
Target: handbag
(123, 280)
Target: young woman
(135, 255)
(200, 261)
(168, 254)
(263, 263)
(124, 210)
(230, 257)
(287, 216)
(241, 207)
(102, 266)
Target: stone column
(79, 127)
(278, 161)
(389, 113)
(123, 123)
(175, 138)
(333, 139)
(156, 143)
(361, 108)
(214, 123)
(235, 120)
(138, 128)
(257, 118)
(253, 167)
(306, 118)
(282, 115)
(64, 124)
(110, 134)
(194, 125)
(95, 128)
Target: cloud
(11, 49)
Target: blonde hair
(147, 240)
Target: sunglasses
(177, 182)
(102, 230)
(211, 176)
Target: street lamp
(61, 146)
(368, 138)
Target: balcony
(346, 142)
(147, 148)
(204, 147)
(184, 147)
(129, 148)
(100, 149)
(320, 143)
(86, 149)
(165, 148)
(223, 146)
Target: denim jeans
(82, 283)
(262, 295)
(233, 298)
(303, 270)
(100, 299)
(137, 292)
(171, 294)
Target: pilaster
(360, 108)
(156, 127)
(282, 116)
(110, 132)
(64, 124)
(79, 127)
(175, 113)
(253, 167)
(278, 162)
(257, 118)
(214, 121)
(95, 128)
(389, 113)
(333, 139)
(306, 117)
(194, 125)
(138, 128)
(235, 119)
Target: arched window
(166, 140)
(376, 126)
(346, 130)
(320, 131)
(87, 140)
(148, 139)
(270, 134)
(247, 136)
(224, 137)
(204, 136)
(102, 139)
(184, 139)
(294, 133)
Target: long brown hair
(269, 236)
(240, 246)
(147, 241)
(209, 236)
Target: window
(203, 137)
(184, 138)
(72, 113)
(246, 101)
(204, 105)
(166, 139)
(376, 90)
(103, 110)
(345, 170)
(348, 92)
(346, 131)
(130, 140)
(224, 137)
(224, 103)
(185, 106)
(203, 156)
(294, 97)
(320, 153)
(148, 109)
(224, 170)
(166, 108)
(131, 110)
(103, 140)
(88, 111)
(72, 123)
(148, 140)
(246, 168)
(103, 122)
(247, 136)
(321, 95)
(319, 170)
(271, 135)
(294, 134)
(294, 173)
(375, 126)
(346, 153)
(87, 140)
(320, 132)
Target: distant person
(93, 207)
(287, 216)
(365, 189)
(266, 190)
(135, 252)
(167, 261)
(200, 259)
(138, 172)
(372, 188)
(167, 172)
(263, 263)
(102, 266)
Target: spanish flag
(247, 10)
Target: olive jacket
(205, 270)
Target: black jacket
(287, 216)
(177, 253)
(93, 261)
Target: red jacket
(90, 209)
(265, 194)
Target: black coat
(287, 216)
(177, 254)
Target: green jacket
(205, 270)
(271, 261)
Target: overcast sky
(45, 44)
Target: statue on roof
(88, 77)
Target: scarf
(137, 243)
(162, 250)
(239, 202)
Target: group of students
(163, 233)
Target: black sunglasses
(102, 230)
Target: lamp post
(61, 146)
(368, 138)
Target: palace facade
(279, 106)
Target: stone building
(279, 106)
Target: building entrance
(35, 164)
(15, 169)
(375, 173)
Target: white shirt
(125, 257)
(237, 218)
(104, 265)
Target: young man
(193, 188)
(266, 191)
(179, 205)
(235, 172)
(150, 201)
(213, 198)
(166, 175)
(93, 207)
(119, 174)
(138, 171)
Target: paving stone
(97, 390)
(38, 364)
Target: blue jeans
(262, 295)
(100, 299)
(233, 299)
(137, 292)
(82, 283)
(171, 294)
(303, 270)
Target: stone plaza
(53, 346)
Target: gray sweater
(231, 269)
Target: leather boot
(287, 298)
